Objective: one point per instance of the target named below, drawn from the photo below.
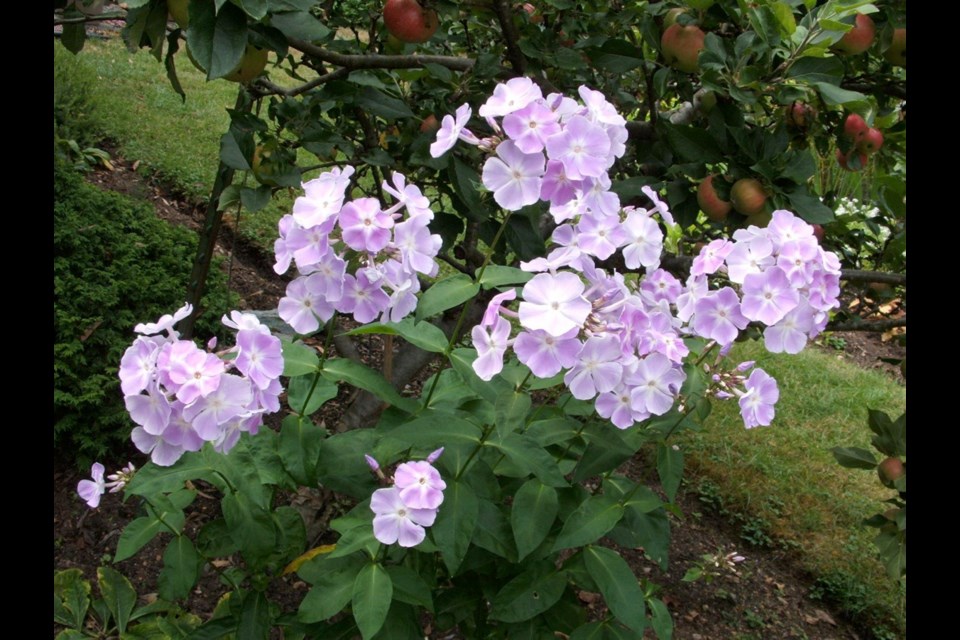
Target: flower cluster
(357, 257)
(181, 396)
(618, 339)
(91, 490)
(402, 511)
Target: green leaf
(119, 595)
(170, 64)
(250, 526)
(616, 56)
(670, 469)
(618, 585)
(73, 592)
(255, 199)
(372, 593)
(834, 96)
(298, 358)
(254, 616)
(332, 580)
(467, 186)
(693, 144)
(510, 411)
(827, 70)
(446, 294)
(256, 9)
(493, 532)
(893, 553)
(410, 587)
(425, 335)
(534, 509)
(180, 570)
(299, 448)
(800, 166)
(603, 453)
(526, 454)
(73, 36)
(435, 429)
(529, 594)
(455, 524)
(143, 529)
(854, 458)
(235, 153)
(344, 370)
(661, 621)
(809, 207)
(496, 275)
(306, 394)
(214, 540)
(652, 532)
(379, 103)
(594, 517)
(300, 25)
(217, 40)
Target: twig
(504, 16)
(263, 87)
(353, 61)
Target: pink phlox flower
(322, 200)
(395, 522)
(417, 246)
(798, 259)
(491, 346)
(364, 298)
(493, 309)
(365, 226)
(644, 240)
(757, 403)
(165, 323)
(453, 129)
(655, 383)
(416, 204)
(531, 126)
(598, 197)
(785, 227)
(228, 402)
(193, 372)
(556, 259)
(824, 291)
(789, 335)
(717, 316)
(138, 366)
(659, 285)
(583, 147)
(513, 176)
(572, 208)
(617, 406)
(659, 206)
(403, 285)
(260, 357)
(326, 278)
(598, 369)
(696, 287)
(180, 432)
(599, 108)
(558, 190)
(513, 95)
(420, 485)
(711, 257)
(600, 235)
(91, 490)
(554, 303)
(768, 296)
(304, 309)
(162, 453)
(309, 245)
(240, 321)
(545, 354)
(748, 257)
(151, 410)
(564, 106)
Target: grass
(785, 484)
(781, 480)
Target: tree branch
(504, 15)
(859, 324)
(351, 62)
(857, 275)
(263, 87)
(99, 18)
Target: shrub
(115, 263)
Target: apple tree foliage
(353, 95)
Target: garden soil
(766, 596)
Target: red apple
(855, 127)
(844, 160)
(710, 203)
(429, 124)
(681, 46)
(535, 16)
(408, 21)
(896, 54)
(871, 141)
(890, 470)
(859, 38)
(800, 115)
(818, 232)
(747, 196)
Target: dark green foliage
(73, 84)
(115, 265)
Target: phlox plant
(484, 501)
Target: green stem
(156, 514)
(455, 336)
(316, 376)
(487, 430)
(683, 416)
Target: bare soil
(765, 597)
